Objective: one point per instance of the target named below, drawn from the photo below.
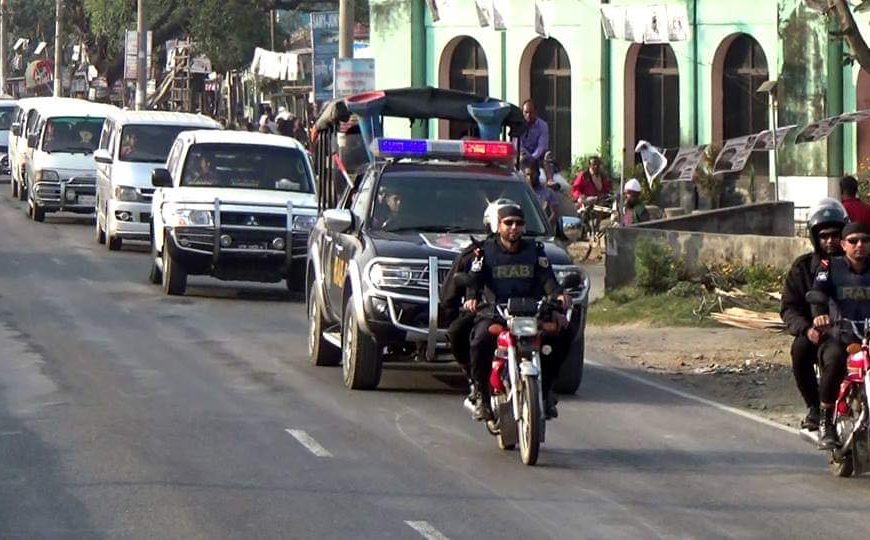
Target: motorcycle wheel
(845, 466)
(530, 423)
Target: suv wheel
(14, 186)
(174, 275)
(360, 357)
(114, 243)
(320, 351)
(99, 233)
(37, 212)
(155, 276)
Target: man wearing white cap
(633, 210)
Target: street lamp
(769, 88)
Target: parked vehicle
(374, 279)
(852, 409)
(233, 205)
(7, 115)
(132, 144)
(59, 167)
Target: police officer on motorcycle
(825, 223)
(846, 282)
(510, 267)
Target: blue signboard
(324, 40)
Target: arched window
(468, 73)
(657, 97)
(744, 109)
(550, 90)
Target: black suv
(377, 260)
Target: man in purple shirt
(535, 141)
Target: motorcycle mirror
(816, 297)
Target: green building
(595, 91)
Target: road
(126, 413)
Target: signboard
(131, 65)
(765, 141)
(684, 164)
(39, 72)
(353, 76)
(324, 40)
(734, 154)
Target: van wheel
(361, 362)
(37, 212)
(22, 192)
(14, 186)
(174, 275)
(155, 276)
(99, 233)
(114, 243)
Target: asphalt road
(126, 413)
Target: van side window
(174, 156)
(113, 140)
(104, 136)
(32, 117)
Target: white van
(7, 114)
(132, 144)
(60, 173)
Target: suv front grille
(253, 219)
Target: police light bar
(470, 150)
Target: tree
(849, 30)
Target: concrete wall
(765, 219)
(697, 249)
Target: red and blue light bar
(466, 150)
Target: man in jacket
(825, 223)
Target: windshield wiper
(433, 228)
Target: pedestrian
(546, 196)
(535, 140)
(858, 210)
(593, 182)
(634, 211)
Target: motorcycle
(516, 397)
(852, 456)
(592, 212)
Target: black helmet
(830, 212)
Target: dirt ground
(743, 368)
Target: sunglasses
(858, 240)
(514, 223)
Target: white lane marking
(426, 530)
(57, 261)
(693, 397)
(308, 442)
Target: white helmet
(632, 185)
(490, 215)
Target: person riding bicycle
(593, 182)
(510, 267)
(846, 282)
(824, 225)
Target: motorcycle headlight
(389, 276)
(303, 223)
(191, 218)
(523, 326)
(47, 175)
(126, 194)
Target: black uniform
(499, 277)
(797, 316)
(459, 323)
(850, 292)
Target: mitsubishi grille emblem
(252, 221)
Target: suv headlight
(183, 217)
(389, 276)
(126, 194)
(47, 175)
(303, 223)
(523, 326)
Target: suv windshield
(6, 114)
(72, 134)
(435, 204)
(148, 143)
(246, 166)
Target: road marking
(426, 530)
(308, 442)
(57, 261)
(698, 399)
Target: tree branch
(850, 32)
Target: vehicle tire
(155, 276)
(174, 275)
(844, 468)
(361, 362)
(99, 233)
(37, 212)
(571, 372)
(114, 243)
(14, 185)
(530, 424)
(321, 352)
(22, 191)
(296, 278)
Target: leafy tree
(849, 31)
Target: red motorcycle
(852, 456)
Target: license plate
(88, 200)
(252, 246)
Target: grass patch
(629, 305)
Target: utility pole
(141, 56)
(345, 29)
(58, 48)
(4, 9)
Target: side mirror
(572, 281)
(103, 156)
(16, 129)
(338, 220)
(32, 141)
(570, 223)
(161, 178)
(816, 297)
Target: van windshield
(72, 135)
(148, 143)
(246, 166)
